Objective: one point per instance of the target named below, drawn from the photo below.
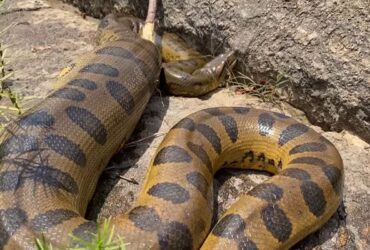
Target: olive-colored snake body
(51, 159)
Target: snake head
(220, 66)
(112, 28)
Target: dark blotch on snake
(276, 222)
(291, 132)
(326, 141)
(45, 175)
(116, 51)
(45, 221)
(244, 243)
(211, 136)
(69, 94)
(127, 54)
(100, 69)
(88, 122)
(171, 192)
(333, 174)
(172, 154)
(121, 94)
(308, 160)
(230, 126)
(248, 155)
(152, 51)
(261, 157)
(145, 218)
(268, 192)
(314, 197)
(201, 154)
(199, 182)
(175, 236)
(308, 147)
(54, 178)
(83, 83)
(85, 231)
(280, 115)
(335, 177)
(10, 181)
(230, 226)
(213, 111)
(186, 123)
(265, 123)
(11, 220)
(241, 110)
(296, 173)
(18, 144)
(67, 148)
(37, 119)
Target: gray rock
(323, 47)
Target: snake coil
(52, 157)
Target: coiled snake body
(51, 159)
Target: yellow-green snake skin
(52, 157)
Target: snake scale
(52, 157)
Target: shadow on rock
(226, 191)
(326, 232)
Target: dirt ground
(43, 37)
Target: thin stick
(131, 180)
(148, 29)
(134, 143)
(152, 9)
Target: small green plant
(104, 239)
(3, 75)
(42, 245)
(7, 111)
(12, 109)
(14, 98)
(12, 103)
(266, 88)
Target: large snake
(52, 157)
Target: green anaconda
(52, 157)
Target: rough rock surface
(47, 35)
(322, 46)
